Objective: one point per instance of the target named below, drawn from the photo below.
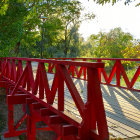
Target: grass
(130, 73)
(47, 66)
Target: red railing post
(4, 72)
(49, 66)
(41, 84)
(60, 90)
(36, 83)
(5, 62)
(122, 70)
(8, 72)
(135, 77)
(95, 103)
(85, 71)
(0, 64)
(10, 118)
(13, 71)
(118, 73)
(19, 70)
(31, 128)
(99, 71)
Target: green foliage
(132, 51)
(23, 32)
(138, 4)
(11, 26)
(130, 73)
(3, 7)
(111, 44)
(114, 44)
(114, 1)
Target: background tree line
(23, 33)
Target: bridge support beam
(11, 100)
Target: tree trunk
(17, 48)
(65, 46)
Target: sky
(108, 17)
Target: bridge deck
(122, 108)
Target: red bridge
(70, 97)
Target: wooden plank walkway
(122, 108)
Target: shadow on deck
(122, 108)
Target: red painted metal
(118, 69)
(37, 97)
(20, 121)
(135, 77)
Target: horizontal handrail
(74, 63)
(124, 59)
(117, 69)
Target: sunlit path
(122, 108)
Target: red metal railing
(115, 73)
(21, 79)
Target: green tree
(132, 51)
(61, 35)
(115, 1)
(111, 44)
(11, 27)
(24, 27)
